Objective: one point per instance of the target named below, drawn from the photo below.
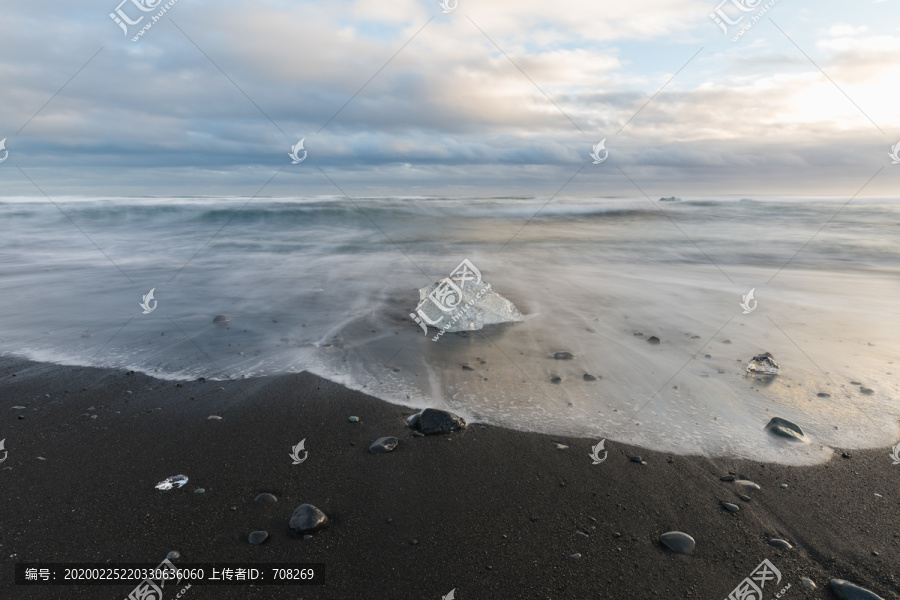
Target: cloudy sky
(496, 97)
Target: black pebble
(555, 379)
(589, 377)
(653, 339)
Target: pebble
(726, 478)
(559, 446)
(846, 455)
(731, 507)
(581, 534)
(267, 498)
(855, 383)
(744, 498)
(354, 419)
(563, 356)
(822, 395)
(383, 444)
(575, 556)
(17, 408)
(173, 555)
(432, 421)
(589, 377)
(258, 537)
(806, 581)
(636, 459)
(747, 484)
(555, 379)
(784, 545)
(845, 590)
(414, 542)
(678, 541)
(307, 537)
(214, 418)
(307, 517)
(784, 485)
(786, 429)
(200, 491)
(867, 391)
(467, 368)
(653, 340)
(221, 319)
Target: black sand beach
(489, 512)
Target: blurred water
(326, 285)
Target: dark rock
(730, 507)
(307, 517)
(563, 356)
(845, 590)
(786, 429)
(383, 444)
(266, 498)
(173, 555)
(726, 478)
(258, 537)
(433, 421)
(636, 459)
(556, 379)
(823, 395)
(221, 319)
(467, 368)
(653, 340)
(784, 545)
(763, 363)
(678, 541)
(846, 455)
(867, 391)
(744, 498)
(589, 377)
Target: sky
(492, 98)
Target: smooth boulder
(845, 590)
(308, 518)
(432, 421)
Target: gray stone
(670, 199)
(746, 484)
(867, 391)
(636, 459)
(845, 590)
(433, 420)
(763, 363)
(563, 356)
(744, 498)
(730, 507)
(221, 319)
(383, 444)
(678, 542)
(266, 498)
(556, 379)
(173, 555)
(809, 583)
(413, 420)
(575, 556)
(786, 429)
(589, 377)
(653, 339)
(307, 517)
(728, 477)
(479, 306)
(258, 537)
(783, 544)
(353, 419)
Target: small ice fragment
(169, 482)
(763, 363)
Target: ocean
(327, 285)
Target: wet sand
(494, 512)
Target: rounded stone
(786, 429)
(678, 541)
(726, 478)
(809, 583)
(589, 377)
(556, 379)
(267, 498)
(433, 421)
(383, 444)
(307, 517)
(200, 491)
(353, 419)
(575, 556)
(258, 537)
(845, 590)
(730, 507)
(221, 319)
(653, 339)
(783, 544)
(173, 555)
(747, 484)
(563, 356)
(636, 459)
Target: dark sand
(494, 511)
